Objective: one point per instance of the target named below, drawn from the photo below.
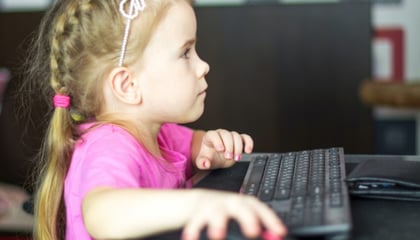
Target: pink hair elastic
(61, 101)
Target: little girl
(123, 75)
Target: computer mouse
(233, 233)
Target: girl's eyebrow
(188, 43)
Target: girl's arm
(131, 213)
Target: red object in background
(395, 36)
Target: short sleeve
(110, 158)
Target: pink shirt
(110, 156)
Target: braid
(57, 147)
(62, 47)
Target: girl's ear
(124, 85)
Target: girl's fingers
(213, 139)
(248, 143)
(257, 216)
(270, 220)
(233, 143)
(227, 140)
(217, 226)
(249, 223)
(238, 146)
(193, 229)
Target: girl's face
(172, 74)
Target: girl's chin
(194, 116)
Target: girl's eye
(185, 54)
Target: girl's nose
(204, 68)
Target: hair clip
(135, 7)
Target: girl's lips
(203, 92)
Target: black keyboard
(306, 188)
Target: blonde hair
(79, 42)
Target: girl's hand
(216, 209)
(221, 148)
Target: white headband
(135, 7)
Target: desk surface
(373, 219)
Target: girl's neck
(147, 135)
(151, 144)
